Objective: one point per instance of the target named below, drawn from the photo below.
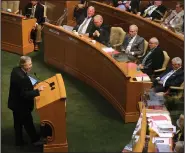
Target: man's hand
(119, 2)
(96, 33)
(141, 66)
(160, 82)
(41, 88)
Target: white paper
(108, 49)
(143, 78)
(33, 81)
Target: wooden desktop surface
(88, 62)
(169, 41)
(16, 33)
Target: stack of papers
(158, 140)
(163, 148)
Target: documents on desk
(143, 78)
(108, 49)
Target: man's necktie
(147, 11)
(171, 19)
(83, 25)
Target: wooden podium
(51, 107)
(16, 33)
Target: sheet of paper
(33, 81)
(108, 49)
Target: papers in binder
(33, 81)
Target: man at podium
(21, 101)
(36, 10)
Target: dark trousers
(26, 120)
(159, 87)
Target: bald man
(154, 58)
(86, 26)
(100, 32)
(133, 44)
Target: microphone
(50, 84)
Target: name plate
(72, 39)
(54, 31)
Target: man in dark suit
(100, 32)
(21, 101)
(155, 11)
(173, 76)
(133, 44)
(36, 10)
(153, 59)
(86, 26)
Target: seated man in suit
(124, 6)
(36, 10)
(100, 32)
(175, 20)
(87, 24)
(155, 11)
(173, 76)
(153, 59)
(133, 44)
(178, 138)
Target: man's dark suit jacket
(39, 12)
(154, 61)
(155, 15)
(137, 46)
(176, 79)
(104, 31)
(89, 27)
(21, 93)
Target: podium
(16, 33)
(50, 106)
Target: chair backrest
(45, 10)
(117, 35)
(182, 85)
(13, 5)
(145, 49)
(166, 59)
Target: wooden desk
(89, 63)
(16, 33)
(169, 41)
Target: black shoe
(38, 143)
(21, 143)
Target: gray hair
(177, 60)
(91, 7)
(155, 40)
(134, 26)
(98, 17)
(23, 60)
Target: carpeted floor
(92, 123)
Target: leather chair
(117, 37)
(12, 5)
(145, 49)
(165, 64)
(179, 91)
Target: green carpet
(92, 123)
